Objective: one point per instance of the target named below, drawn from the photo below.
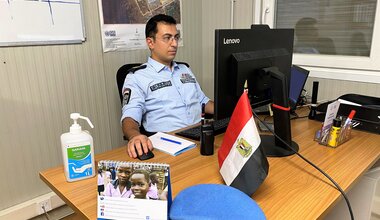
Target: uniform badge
(126, 96)
(187, 78)
(160, 85)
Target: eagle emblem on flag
(243, 147)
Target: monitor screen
(298, 77)
(263, 57)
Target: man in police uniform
(161, 95)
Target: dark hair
(151, 25)
(144, 172)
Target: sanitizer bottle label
(79, 161)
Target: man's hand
(139, 144)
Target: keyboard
(194, 133)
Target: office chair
(122, 72)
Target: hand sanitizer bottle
(78, 151)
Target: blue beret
(214, 201)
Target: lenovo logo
(231, 41)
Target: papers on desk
(342, 101)
(332, 110)
(170, 144)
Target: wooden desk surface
(292, 190)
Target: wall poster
(123, 21)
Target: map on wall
(123, 21)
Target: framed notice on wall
(40, 22)
(123, 21)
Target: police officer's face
(164, 45)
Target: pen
(170, 140)
(349, 119)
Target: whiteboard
(39, 22)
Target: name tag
(160, 85)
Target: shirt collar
(159, 66)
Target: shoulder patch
(188, 66)
(126, 96)
(134, 69)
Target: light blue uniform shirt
(163, 100)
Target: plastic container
(335, 136)
(78, 151)
(334, 133)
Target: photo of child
(133, 190)
(120, 186)
(140, 184)
(134, 180)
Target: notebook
(170, 144)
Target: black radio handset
(207, 135)
(203, 114)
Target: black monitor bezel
(269, 45)
(293, 105)
(265, 38)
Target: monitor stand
(273, 146)
(268, 143)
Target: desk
(292, 190)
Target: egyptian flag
(242, 161)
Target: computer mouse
(145, 156)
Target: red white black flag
(242, 161)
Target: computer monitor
(298, 77)
(263, 57)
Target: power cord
(45, 212)
(313, 165)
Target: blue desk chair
(214, 201)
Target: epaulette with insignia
(188, 66)
(134, 69)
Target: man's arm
(136, 140)
(209, 107)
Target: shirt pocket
(159, 95)
(190, 92)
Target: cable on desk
(313, 165)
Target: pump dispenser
(78, 151)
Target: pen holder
(207, 139)
(331, 138)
